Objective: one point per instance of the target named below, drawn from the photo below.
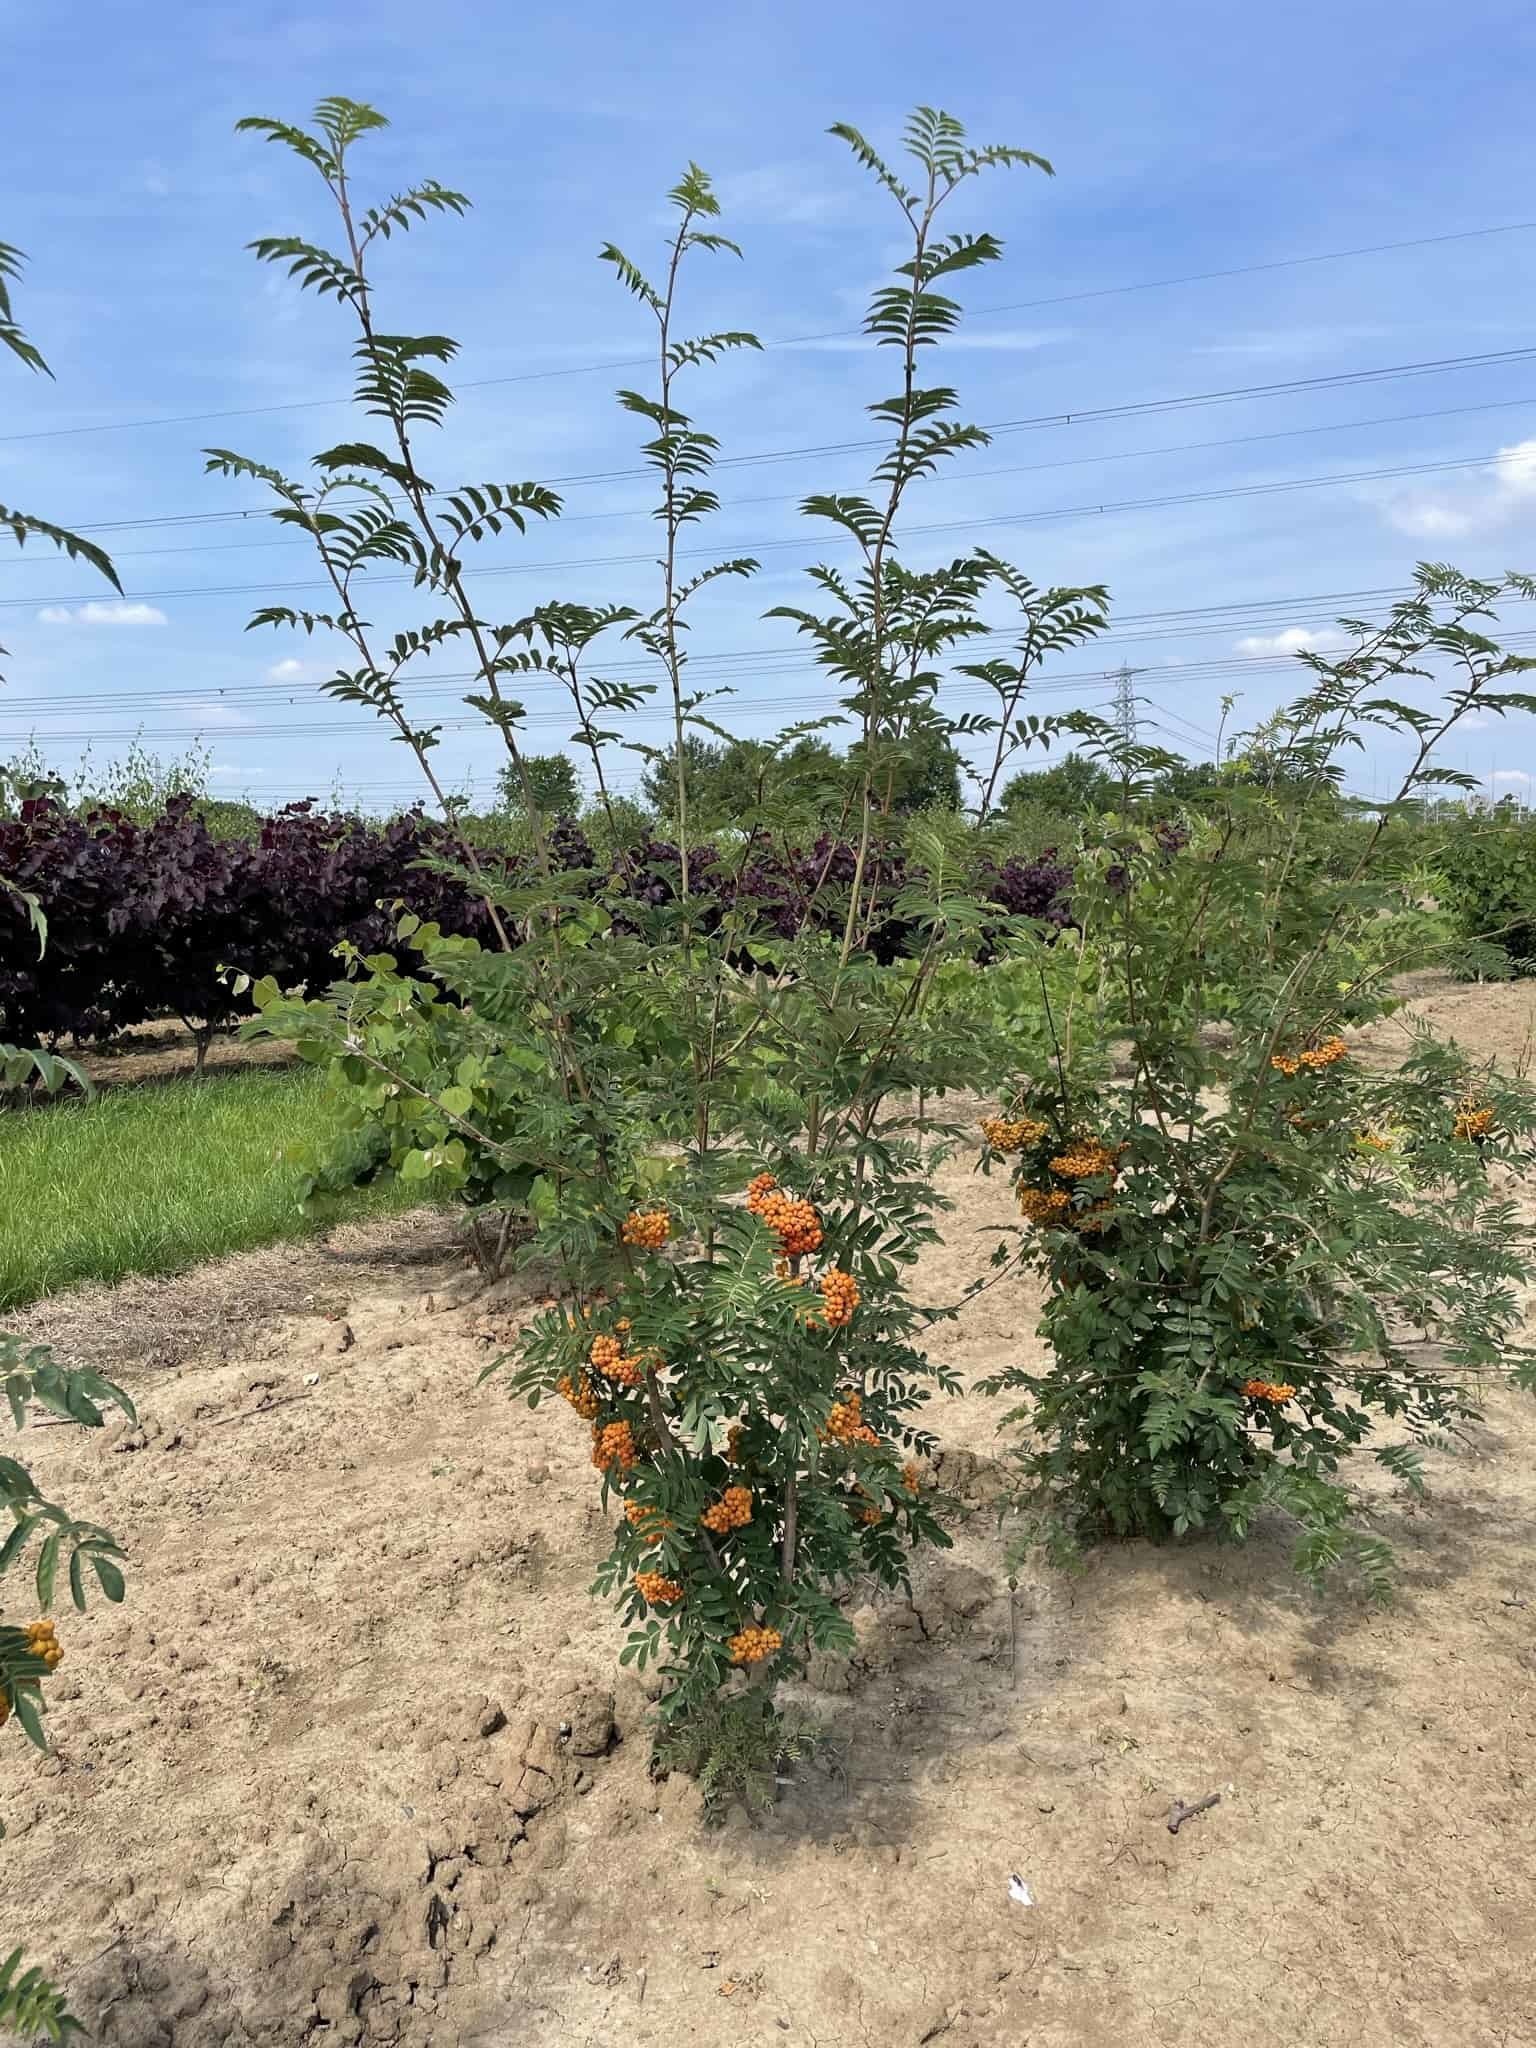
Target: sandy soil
(355, 1762)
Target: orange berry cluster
(1377, 1141)
(911, 1478)
(733, 1510)
(1474, 1119)
(733, 1437)
(581, 1395)
(846, 1422)
(656, 1589)
(1268, 1390)
(614, 1444)
(1085, 1160)
(611, 1359)
(1039, 1205)
(754, 1645)
(840, 1292)
(1012, 1133)
(797, 1224)
(1096, 1217)
(1312, 1058)
(42, 1642)
(649, 1523)
(648, 1229)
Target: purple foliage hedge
(142, 918)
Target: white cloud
(286, 671)
(117, 612)
(1291, 341)
(224, 769)
(1517, 468)
(1480, 505)
(785, 195)
(209, 713)
(1516, 776)
(1289, 640)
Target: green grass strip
(154, 1179)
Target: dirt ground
(166, 1050)
(355, 1761)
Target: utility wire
(948, 476)
(841, 538)
(1032, 423)
(752, 664)
(428, 686)
(803, 340)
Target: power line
(542, 720)
(1124, 714)
(820, 541)
(772, 662)
(428, 686)
(803, 340)
(949, 476)
(1032, 423)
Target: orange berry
(582, 1397)
(846, 1424)
(1313, 1057)
(1086, 1160)
(1012, 1133)
(1096, 1217)
(1474, 1119)
(1044, 1206)
(1268, 1390)
(648, 1522)
(840, 1292)
(797, 1224)
(656, 1589)
(733, 1510)
(614, 1444)
(649, 1229)
(911, 1478)
(754, 1645)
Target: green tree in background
(551, 778)
(1071, 785)
(919, 772)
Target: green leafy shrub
(707, 1116)
(1486, 875)
(1257, 1247)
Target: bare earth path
(355, 1763)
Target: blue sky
(1193, 138)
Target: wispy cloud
(1290, 343)
(209, 713)
(115, 612)
(786, 195)
(1289, 640)
(1516, 777)
(287, 671)
(1481, 504)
